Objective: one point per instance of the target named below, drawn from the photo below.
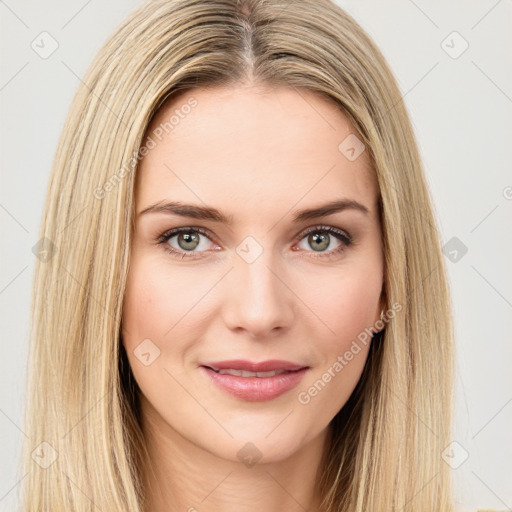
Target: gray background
(461, 109)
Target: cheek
(155, 308)
(139, 314)
(357, 301)
(156, 300)
(344, 302)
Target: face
(251, 279)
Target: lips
(255, 381)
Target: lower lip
(256, 389)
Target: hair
(385, 451)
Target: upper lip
(263, 366)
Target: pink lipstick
(255, 382)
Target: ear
(382, 303)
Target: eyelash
(343, 236)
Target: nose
(258, 299)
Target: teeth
(244, 373)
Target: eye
(187, 239)
(322, 237)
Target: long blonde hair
(386, 450)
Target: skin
(257, 155)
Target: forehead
(248, 147)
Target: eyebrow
(208, 213)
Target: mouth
(272, 365)
(255, 381)
(246, 373)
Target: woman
(245, 302)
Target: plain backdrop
(453, 63)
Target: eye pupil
(323, 240)
(188, 238)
